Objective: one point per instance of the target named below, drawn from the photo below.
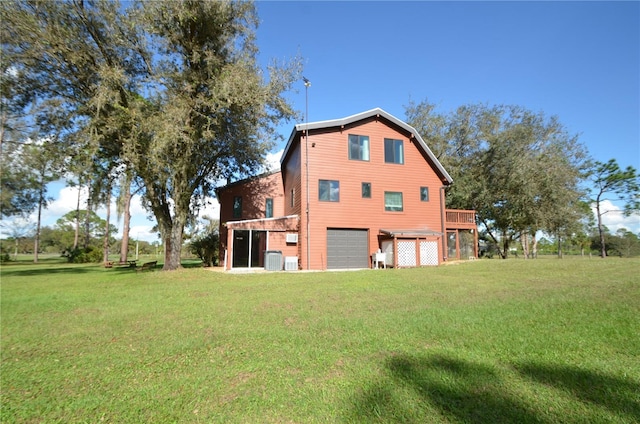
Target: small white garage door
(347, 248)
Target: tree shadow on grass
(620, 396)
(34, 270)
(45, 270)
(418, 389)
(191, 264)
(452, 389)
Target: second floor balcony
(460, 219)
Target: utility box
(291, 263)
(387, 248)
(273, 260)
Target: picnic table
(128, 264)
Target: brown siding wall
(254, 194)
(293, 179)
(277, 241)
(329, 160)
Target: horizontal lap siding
(292, 177)
(329, 160)
(277, 241)
(254, 194)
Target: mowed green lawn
(489, 341)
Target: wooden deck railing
(455, 218)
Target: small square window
(393, 151)
(268, 208)
(424, 194)
(393, 201)
(237, 207)
(328, 191)
(366, 190)
(358, 147)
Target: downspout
(306, 149)
(250, 248)
(230, 236)
(442, 220)
(307, 84)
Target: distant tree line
(623, 243)
(523, 174)
(166, 99)
(59, 239)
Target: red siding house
(356, 192)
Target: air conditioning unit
(290, 263)
(292, 238)
(273, 260)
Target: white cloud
(66, 200)
(272, 161)
(614, 219)
(141, 232)
(212, 209)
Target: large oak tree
(215, 113)
(518, 169)
(169, 91)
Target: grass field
(488, 341)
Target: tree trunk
(495, 240)
(559, 239)
(171, 226)
(124, 245)
(505, 246)
(105, 244)
(173, 243)
(77, 235)
(36, 241)
(603, 250)
(87, 225)
(534, 245)
(524, 240)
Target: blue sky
(577, 60)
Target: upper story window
(268, 208)
(366, 190)
(393, 151)
(393, 201)
(293, 197)
(328, 191)
(237, 207)
(424, 194)
(358, 147)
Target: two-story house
(347, 188)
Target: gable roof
(245, 180)
(299, 128)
